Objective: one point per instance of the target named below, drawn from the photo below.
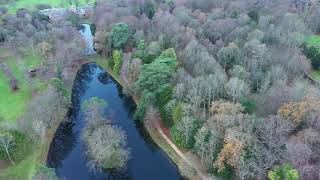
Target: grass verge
(314, 40)
(316, 75)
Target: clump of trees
(106, 143)
(153, 82)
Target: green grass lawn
(30, 4)
(314, 40)
(13, 104)
(316, 75)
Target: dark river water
(67, 151)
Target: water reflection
(62, 144)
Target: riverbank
(158, 135)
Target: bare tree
(237, 89)
(105, 143)
(7, 143)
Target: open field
(13, 104)
(30, 4)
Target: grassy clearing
(13, 104)
(316, 75)
(314, 40)
(30, 4)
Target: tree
(239, 72)
(7, 143)
(106, 147)
(198, 61)
(256, 57)
(117, 59)
(44, 111)
(232, 150)
(148, 8)
(298, 112)
(286, 172)
(158, 73)
(102, 42)
(120, 35)
(273, 133)
(187, 129)
(206, 145)
(237, 89)
(229, 56)
(45, 50)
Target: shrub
(286, 172)
(43, 6)
(59, 85)
(177, 113)
(22, 12)
(176, 136)
(313, 54)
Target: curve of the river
(67, 151)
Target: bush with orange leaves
(298, 111)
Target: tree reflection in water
(62, 144)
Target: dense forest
(234, 81)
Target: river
(67, 151)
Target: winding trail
(201, 174)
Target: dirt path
(203, 175)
